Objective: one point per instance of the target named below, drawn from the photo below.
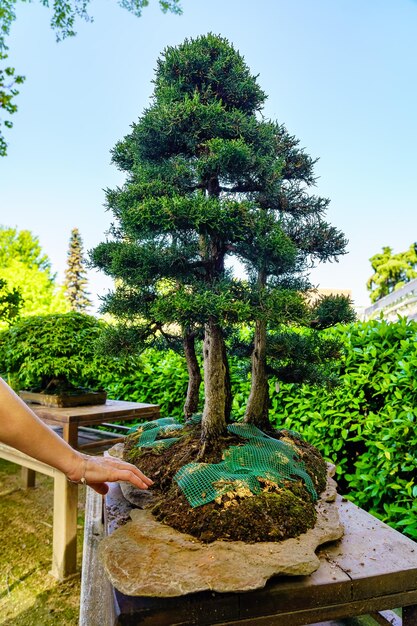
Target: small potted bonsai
(51, 359)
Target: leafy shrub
(368, 425)
(157, 377)
(39, 349)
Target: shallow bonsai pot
(65, 399)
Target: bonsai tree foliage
(210, 181)
(52, 352)
(75, 275)
(391, 271)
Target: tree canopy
(10, 302)
(63, 18)
(391, 271)
(210, 181)
(26, 269)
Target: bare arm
(22, 429)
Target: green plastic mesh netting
(148, 433)
(262, 457)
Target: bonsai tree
(53, 353)
(210, 181)
(75, 275)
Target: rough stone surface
(148, 558)
(137, 497)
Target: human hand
(95, 471)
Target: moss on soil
(278, 512)
(29, 595)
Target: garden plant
(209, 181)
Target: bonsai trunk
(258, 402)
(228, 385)
(194, 376)
(215, 386)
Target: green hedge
(157, 377)
(368, 425)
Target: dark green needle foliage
(210, 181)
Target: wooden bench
(371, 571)
(64, 546)
(72, 423)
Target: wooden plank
(64, 558)
(301, 617)
(70, 434)
(97, 601)
(15, 456)
(28, 477)
(327, 585)
(378, 559)
(100, 443)
(95, 414)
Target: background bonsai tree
(209, 182)
(52, 352)
(75, 275)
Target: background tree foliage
(26, 269)
(209, 181)
(391, 271)
(10, 302)
(64, 15)
(75, 275)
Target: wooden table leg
(410, 615)
(64, 556)
(28, 477)
(70, 434)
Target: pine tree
(208, 181)
(75, 275)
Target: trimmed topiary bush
(52, 351)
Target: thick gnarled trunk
(215, 385)
(194, 376)
(258, 402)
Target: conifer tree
(208, 181)
(75, 275)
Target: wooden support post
(28, 477)
(64, 557)
(410, 615)
(70, 434)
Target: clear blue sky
(340, 74)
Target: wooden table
(71, 418)
(370, 571)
